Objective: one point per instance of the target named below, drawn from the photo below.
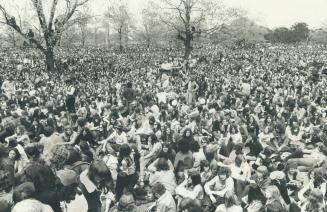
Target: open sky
(275, 13)
(270, 13)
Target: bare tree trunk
(83, 39)
(108, 35)
(188, 32)
(95, 36)
(120, 40)
(50, 61)
(148, 42)
(187, 46)
(126, 36)
(14, 39)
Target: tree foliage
(240, 29)
(121, 20)
(299, 32)
(152, 29)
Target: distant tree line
(299, 32)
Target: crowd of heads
(230, 130)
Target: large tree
(52, 25)
(152, 29)
(195, 17)
(121, 20)
(300, 32)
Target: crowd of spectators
(232, 130)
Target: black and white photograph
(163, 105)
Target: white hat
(277, 175)
(202, 101)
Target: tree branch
(40, 13)
(64, 21)
(52, 13)
(14, 26)
(170, 24)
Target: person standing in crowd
(70, 96)
(192, 88)
(8, 87)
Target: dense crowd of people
(232, 130)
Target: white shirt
(162, 97)
(155, 111)
(8, 87)
(119, 139)
(70, 90)
(166, 203)
(78, 204)
(246, 88)
(244, 169)
(234, 208)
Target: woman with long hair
(168, 135)
(128, 167)
(157, 130)
(315, 202)
(231, 203)
(19, 158)
(184, 158)
(255, 200)
(191, 187)
(274, 199)
(252, 126)
(167, 153)
(154, 147)
(265, 137)
(93, 182)
(189, 138)
(234, 134)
